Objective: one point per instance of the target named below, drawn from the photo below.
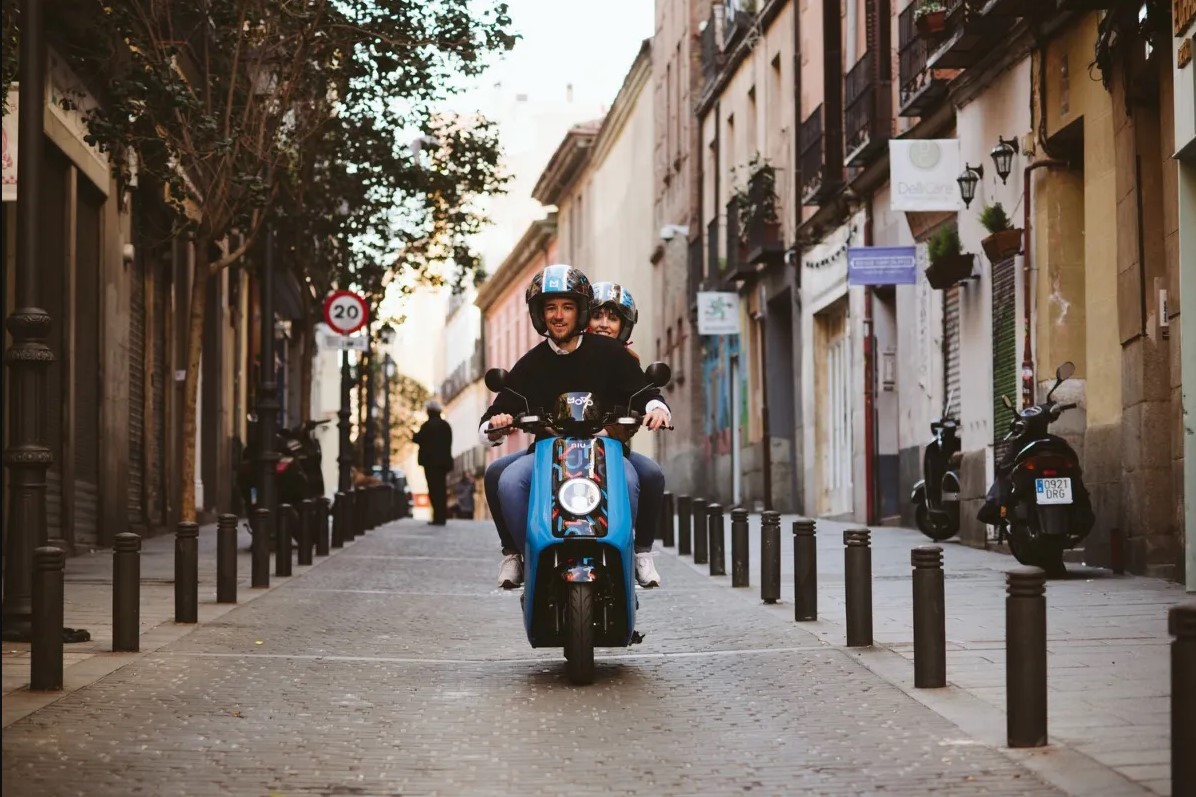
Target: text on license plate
(1053, 491)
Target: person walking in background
(435, 441)
(465, 489)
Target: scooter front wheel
(579, 632)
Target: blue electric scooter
(579, 556)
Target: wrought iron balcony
(817, 180)
(921, 89)
(968, 36)
(712, 53)
(867, 113)
(762, 229)
(738, 16)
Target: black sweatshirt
(599, 365)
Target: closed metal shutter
(1004, 315)
(159, 379)
(951, 348)
(136, 503)
(87, 359)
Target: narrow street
(395, 667)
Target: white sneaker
(510, 575)
(645, 570)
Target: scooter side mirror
(658, 374)
(496, 380)
(1065, 371)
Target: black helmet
(619, 298)
(563, 281)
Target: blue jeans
(651, 479)
(515, 487)
(490, 482)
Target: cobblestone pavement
(394, 668)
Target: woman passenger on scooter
(558, 301)
(614, 315)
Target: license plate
(1053, 491)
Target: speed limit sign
(345, 312)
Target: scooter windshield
(577, 413)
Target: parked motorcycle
(1038, 500)
(936, 497)
(297, 472)
(579, 555)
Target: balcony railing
(866, 113)
(762, 236)
(738, 16)
(921, 89)
(712, 53)
(466, 373)
(968, 35)
(812, 159)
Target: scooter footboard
(594, 560)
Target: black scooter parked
(1038, 501)
(298, 471)
(936, 497)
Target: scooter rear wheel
(936, 530)
(579, 632)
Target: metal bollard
(186, 573)
(857, 564)
(307, 530)
(1026, 657)
(260, 570)
(701, 538)
(805, 571)
(226, 559)
(322, 539)
(356, 505)
(338, 520)
(684, 508)
(282, 552)
(668, 532)
(1181, 624)
(770, 556)
(45, 650)
(718, 559)
(930, 631)
(126, 592)
(739, 548)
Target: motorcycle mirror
(1065, 371)
(658, 374)
(1005, 400)
(496, 380)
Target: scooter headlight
(579, 496)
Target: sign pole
(345, 458)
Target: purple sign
(882, 265)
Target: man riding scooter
(559, 300)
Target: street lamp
(1002, 155)
(371, 428)
(968, 181)
(267, 422)
(387, 336)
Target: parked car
(398, 478)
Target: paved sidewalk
(394, 666)
(1108, 650)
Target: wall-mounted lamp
(386, 334)
(968, 181)
(1003, 154)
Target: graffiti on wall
(717, 353)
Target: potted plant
(1004, 240)
(949, 264)
(930, 18)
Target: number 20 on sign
(345, 312)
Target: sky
(589, 44)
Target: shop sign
(882, 265)
(923, 173)
(718, 313)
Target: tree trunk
(306, 363)
(199, 281)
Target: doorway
(833, 408)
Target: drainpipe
(1027, 351)
(871, 509)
